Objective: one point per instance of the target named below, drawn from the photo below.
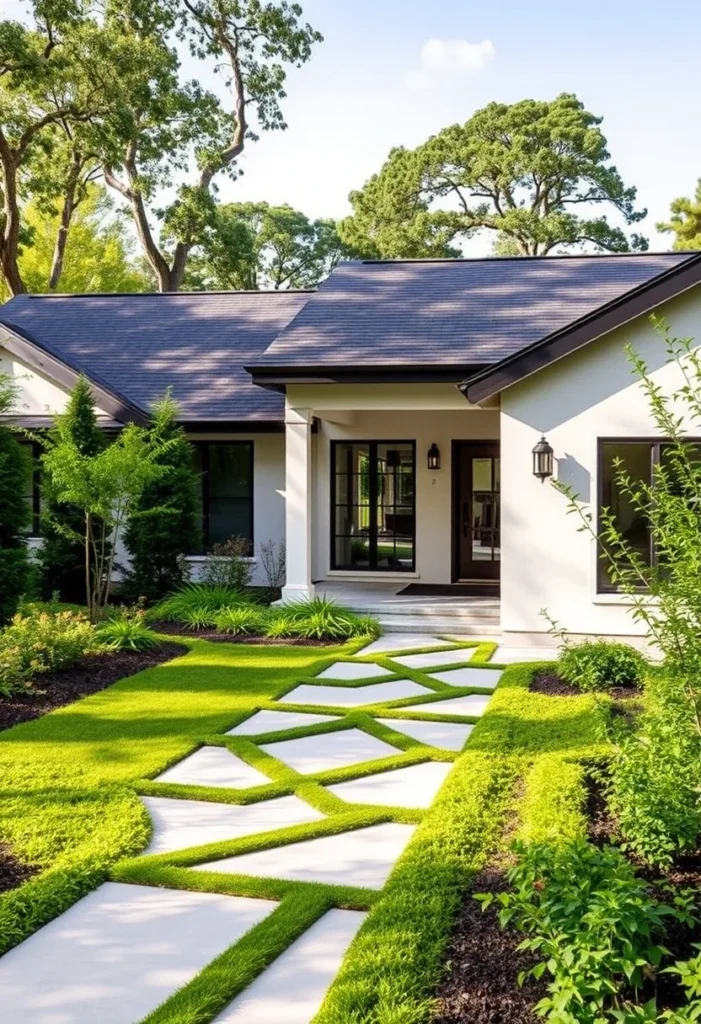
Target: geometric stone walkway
(124, 949)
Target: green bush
(653, 782)
(320, 619)
(127, 632)
(192, 596)
(15, 470)
(38, 643)
(601, 665)
(246, 620)
(594, 924)
(228, 565)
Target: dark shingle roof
(197, 343)
(459, 312)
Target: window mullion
(372, 501)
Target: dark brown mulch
(176, 629)
(548, 681)
(481, 983)
(94, 672)
(12, 873)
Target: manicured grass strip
(214, 987)
(553, 807)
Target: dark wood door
(478, 510)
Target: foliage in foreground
(596, 927)
(126, 631)
(15, 471)
(39, 642)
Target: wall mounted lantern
(542, 460)
(434, 457)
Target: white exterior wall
(37, 395)
(414, 412)
(589, 395)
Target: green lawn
(69, 802)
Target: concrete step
(431, 625)
(488, 610)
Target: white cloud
(450, 57)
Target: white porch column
(298, 504)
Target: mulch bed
(175, 629)
(548, 681)
(481, 982)
(94, 672)
(12, 873)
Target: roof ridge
(158, 295)
(681, 253)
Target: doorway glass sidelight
(484, 510)
(373, 505)
(476, 490)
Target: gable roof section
(138, 345)
(448, 314)
(634, 303)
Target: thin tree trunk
(67, 211)
(9, 242)
(88, 587)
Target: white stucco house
(383, 425)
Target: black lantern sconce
(543, 460)
(434, 457)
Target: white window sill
(624, 600)
(195, 559)
(347, 574)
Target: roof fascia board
(630, 306)
(276, 377)
(65, 375)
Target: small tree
(15, 470)
(164, 524)
(106, 487)
(61, 557)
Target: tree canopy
(685, 221)
(533, 173)
(256, 246)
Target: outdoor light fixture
(542, 460)
(434, 457)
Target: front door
(477, 508)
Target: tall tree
(164, 524)
(255, 245)
(98, 255)
(15, 470)
(685, 221)
(534, 174)
(61, 556)
(250, 43)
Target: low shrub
(244, 620)
(127, 631)
(40, 642)
(194, 596)
(594, 924)
(601, 665)
(228, 565)
(320, 619)
(652, 784)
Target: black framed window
(226, 473)
(638, 459)
(32, 490)
(373, 505)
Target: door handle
(465, 519)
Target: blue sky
(366, 89)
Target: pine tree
(61, 557)
(167, 523)
(15, 470)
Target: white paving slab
(214, 766)
(473, 705)
(277, 721)
(364, 857)
(118, 953)
(483, 678)
(178, 824)
(505, 655)
(348, 670)
(446, 735)
(330, 750)
(355, 696)
(402, 642)
(292, 989)
(415, 786)
(437, 658)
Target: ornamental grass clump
(193, 601)
(320, 619)
(244, 620)
(127, 631)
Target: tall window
(226, 470)
(638, 460)
(373, 507)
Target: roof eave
(488, 382)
